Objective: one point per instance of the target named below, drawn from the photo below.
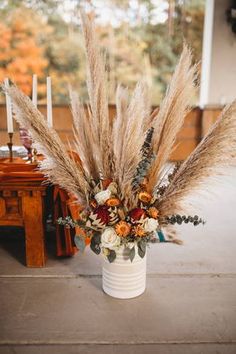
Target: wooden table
(22, 204)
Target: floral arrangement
(110, 225)
(121, 182)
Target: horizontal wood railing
(195, 127)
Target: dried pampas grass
(97, 90)
(85, 140)
(133, 147)
(215, 152)
(128, 136)
(58, 166)
(169, 119)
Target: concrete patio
(189, 305)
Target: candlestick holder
(34, 156)
(26, 142)
(10, 146)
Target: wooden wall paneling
(195, 127)
(209, 117)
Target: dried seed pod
(121, 213)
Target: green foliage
(146, 160)
(141, 248)
(179, 219)
(95, 243)
(111, 256)
(67, 222)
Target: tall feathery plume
(96, 85)
(215, 152)
(131, 121)
(119, 126)
(170, 117)
(58, 166)
(85, 139)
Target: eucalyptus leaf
(142, 245)
(111, 256)
(97, 237)
(95, 243)
(132, 254)
(141, 249)
(80, 242)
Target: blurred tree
(126, 62)
(20, 52)
(144, 43)
(139, 37)
(66, 57)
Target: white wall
(219, 76)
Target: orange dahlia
(122, 228)
(153, 212)
(113, 202)
(138, 231)
(145, 197)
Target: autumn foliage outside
(44, 38)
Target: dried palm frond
(169, 119)
(58, 166)
(96, 85)
(129, 128)
(215, 152)
(85, 139)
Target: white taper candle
(9, 110)
(49, 101)
(34, 90)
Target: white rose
(150, 225)
(109, 238)
(101, 197)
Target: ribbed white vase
(122, 278)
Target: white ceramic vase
(122, 278)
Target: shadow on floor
(12, 240)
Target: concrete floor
(189, 305)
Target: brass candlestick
(10, 145)
(34, 156)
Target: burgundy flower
(136, 213)
(102, 213)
